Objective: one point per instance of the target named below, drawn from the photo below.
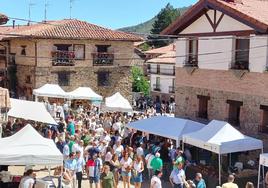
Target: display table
(211, 177)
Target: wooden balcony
(102, 59)
(63, 58)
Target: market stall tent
(117, 103)
(84, 93)
(263, 161)
(28, 147)
(221, 138)
(50, 90)
(29, 110)
(168, 127)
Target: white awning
(30, 110)
(50, 90)
(117, 103)
(85, 93)
(221, 138)
(168, 127)
(28, 147)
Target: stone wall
(220, 86)
(120, 80)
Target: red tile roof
(250, 12)
(167, 58)
(67, 29)
(161, 50)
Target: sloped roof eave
(202, 6)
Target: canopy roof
(50, 90)
(221, 138)
(85, 93)
(117, 103)
(168, 127)
(28, 147)
(30, 110)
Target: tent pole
(177, 143)
(263, 177)
(219, 169)
(49, 171)
(259, 171)
(182, 146)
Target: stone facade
(36, 69)
(247, 87)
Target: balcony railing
(161, 71)
(171, 89)
(191, 62)
(63, 58)
(156, 87)
(240, 65)
(102, 58)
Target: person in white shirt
(118, 148)
(140, 151)
(177, 176)
(28, 180)
(148, 159)
(155, 180)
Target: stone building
(70, 53)
(221, 63)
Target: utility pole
(71, 7)
(30, 4)
(46, 6)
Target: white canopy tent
(84, 93)
(30, 110)
(117, 103)
(221, 138)
(28, 147)
(50, 90)
(263, 162)
(168, 127)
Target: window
(203, 106)
(234, 112)
(23, 50)
(192, 52)
(102, 48)
(241, 54)
(264, 120)
(63, 47)
(64, 78)
(79, 51)
(28, 79)
(104, 79)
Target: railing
(171, 89)
(162, 71)
(63, 58)
(102, 58)
(156, 87)
(191, 62)
(240, 65)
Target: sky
(113, 14)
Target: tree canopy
(164, 18)
(139, 81)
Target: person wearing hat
(157, 163)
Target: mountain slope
(146, 27)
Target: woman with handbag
(138, 168)
(126, 165)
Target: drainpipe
(35, 63)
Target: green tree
(164, 18)
(139, 82)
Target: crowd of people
(102, 149)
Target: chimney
(13, 24)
